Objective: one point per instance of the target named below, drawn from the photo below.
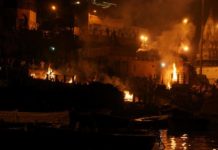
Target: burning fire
(50, 74)
(33, 75)
(169, 86)
(128, 97)
(174, 78)
(170, 76)
(74, 78)
(70, 81)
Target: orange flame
(175, 78)
(50, 74)
(70, 81)
(128, 97)
(169, 86)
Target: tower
(210, 35)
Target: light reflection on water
(187, 141)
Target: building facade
(26, 15)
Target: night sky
(156, 15)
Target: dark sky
(162, 13)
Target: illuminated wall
(100, 24)
(211, 72)
(26, 18)
(142, 68)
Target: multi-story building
(16, 14)
(111, 40)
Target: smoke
(163, 19)
(155, 15)
(168, 33)
(86, 71)
(89, 71)
(117, 82)
(173, 41)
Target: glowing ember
(175, 78)
(128, 97)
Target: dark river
(207, 140)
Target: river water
(207, 140)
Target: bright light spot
(144, 38)
(184, 136)
(77, 2)
(185, 21)
(50, 74)
(128, 97)
(94, 11)
(74, 78)
(163, 64)
(33, 75)
(185, 48)
(173, 143)
(70, 81)
(52, 48)
(53, 7)
(217, 25)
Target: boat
(184, 120)
(154, 122)
(40, 136)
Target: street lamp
(77, 2)
(185, 21)
(53, 7)
(163, 64)
(144, 40)
(75, 5)
(185, 48)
